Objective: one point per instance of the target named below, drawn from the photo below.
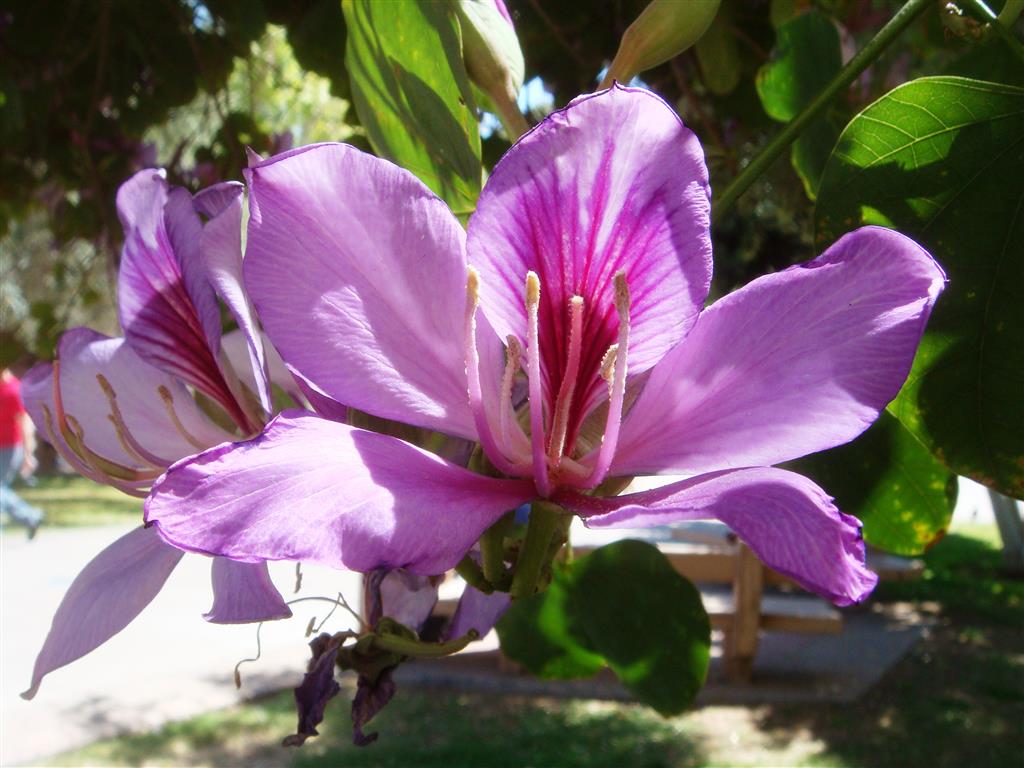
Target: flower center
(545, 453)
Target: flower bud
(665, 29)
(493, 57)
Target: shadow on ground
(422, 730)
(958, 699)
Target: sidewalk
(167, 665)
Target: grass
(75, 501)
(957, 699)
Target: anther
(608, 363)
(472, 288)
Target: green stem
(408, 647)
(863, 58)
(544, 518)
(1001, 25)
(492, 551)
(472, 575)
(1010, 12)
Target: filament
(533, 376)
(617, 386)
(476, 401)
(165, 395)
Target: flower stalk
(536, 550)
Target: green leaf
(623, 606)
(412, 93)
(539, 633)
(647, 621)
(806, 57)
(942, 160)
(902, 495)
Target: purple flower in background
(119, 410)
(583, 275)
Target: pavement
(170, 664)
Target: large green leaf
(647, 620)
(412, 93)
(805, 59)
(901, 493)
(942, 160)
(623, 606)
(540, 633)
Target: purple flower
(584, 272)
(119, 410)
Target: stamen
(560, 422)
(476, 399)
(110, 468)
(617, 386)
(80, 465)
(89, 463)
(165, 395)
(533, 376)
(131, 446)
(510, 435)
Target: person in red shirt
(15, 432)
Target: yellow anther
(608, 362)
(532, 289)
(621, 296)
(472, 287)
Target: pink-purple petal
(315, 490)
(104, 598)
(167, 308)
(477, 610)
(612, 182)
(84, 355)
(358, 274)
(221, 246)
(406, 597)
(794, 362)
(243, 593)
(790, 523)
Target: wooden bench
(732, 583)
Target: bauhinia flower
(120, 410)
(582, 277)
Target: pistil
(563, 404)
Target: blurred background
(93, 90)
